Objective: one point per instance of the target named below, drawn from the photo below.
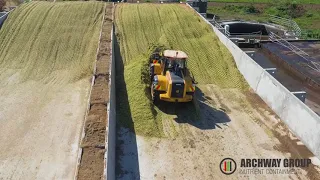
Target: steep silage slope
(176, 27)
(47, 54)
(139, 26)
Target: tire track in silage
(14, 26)
(170, 128)
(161, 25)
(83, 46)
(18, 31)
(198, 63)
(123, 40)
(16, 23)
(155, 25)
(32, 62)
(50, 39)
(142, 26)
(55, 49)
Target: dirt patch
(92, 163)
(95, 126)
(100, 91)
(103, 65)
(256, 101)
(93, 143)
(289, 143)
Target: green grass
(308, 20)
(236, 12)
(267, 1)
(139, 26)
(50, 42)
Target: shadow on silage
(127, 162)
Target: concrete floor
(230, 126)
(290, 82)
(40, 129)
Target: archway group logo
(228, 166)
(263, 166)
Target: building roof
(175, 54)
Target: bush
(251, 9)
(242, 9)
(311, 34)
(2, 4)
(288, 9)
(309, 14)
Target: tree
(2, 4)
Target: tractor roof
(175, 54)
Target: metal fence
(309, 60)
(288, 23)
(218, 25)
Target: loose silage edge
(90, 148)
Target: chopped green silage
(50, 42)
(140, 26)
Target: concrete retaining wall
(3, 17)
(95, 101)
(111, 128)
(300, 119)
(304, 75)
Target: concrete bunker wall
(110, 155)
(300, 119)
(3, 16)
(305, 75)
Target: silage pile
(177, 27)
(47, 55)
(49, 42)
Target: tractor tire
(151, 74)
(151, 77)
(154, 95)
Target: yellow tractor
(170, 78)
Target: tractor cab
(170, 78)
(174, 61)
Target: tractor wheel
(151, 77)
(151, 74)
(154, 95)
(151, 58)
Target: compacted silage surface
(43, 39)
(142, 26)
(47, 55)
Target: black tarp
(246, 28)
(201, 4)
